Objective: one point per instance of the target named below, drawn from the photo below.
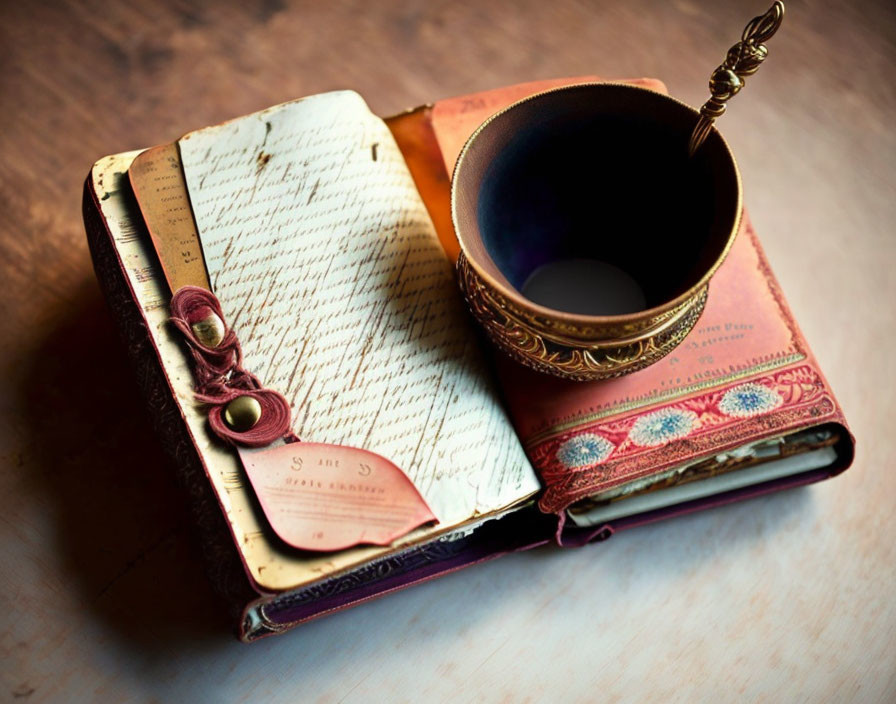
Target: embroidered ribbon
(221, 377)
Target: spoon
(743, 60)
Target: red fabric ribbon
(220, 376)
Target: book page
(328, 267)
(271, 565)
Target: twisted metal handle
(743, 60)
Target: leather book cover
(744, 374)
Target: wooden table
(786, 598)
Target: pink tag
(331, 497)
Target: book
(324, 231)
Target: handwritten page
(270, 565)
(327, 265)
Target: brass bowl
(595, 171)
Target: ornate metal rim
(563, 356)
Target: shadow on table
(124, 531)
(122, 522)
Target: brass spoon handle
(743, 60)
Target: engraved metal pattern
(555, 347)
(743, 59)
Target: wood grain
(787, 598)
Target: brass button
(242, 413)
(210, 330)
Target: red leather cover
(587, 437)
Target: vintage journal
(324, 233)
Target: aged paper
(161, 191)
(327, 265)
(271, 566)
(332, 497)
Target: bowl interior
(599, 174)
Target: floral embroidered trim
(645, 443)
(748, 400)
(584, 450)
(662, 426)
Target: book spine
(224, 568)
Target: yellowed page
(271, 565)
(327, 265)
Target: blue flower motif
(749, 400)
(662, 426)
(584, 450)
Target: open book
(323, 230)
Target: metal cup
(594, 172)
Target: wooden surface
(788, 598)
